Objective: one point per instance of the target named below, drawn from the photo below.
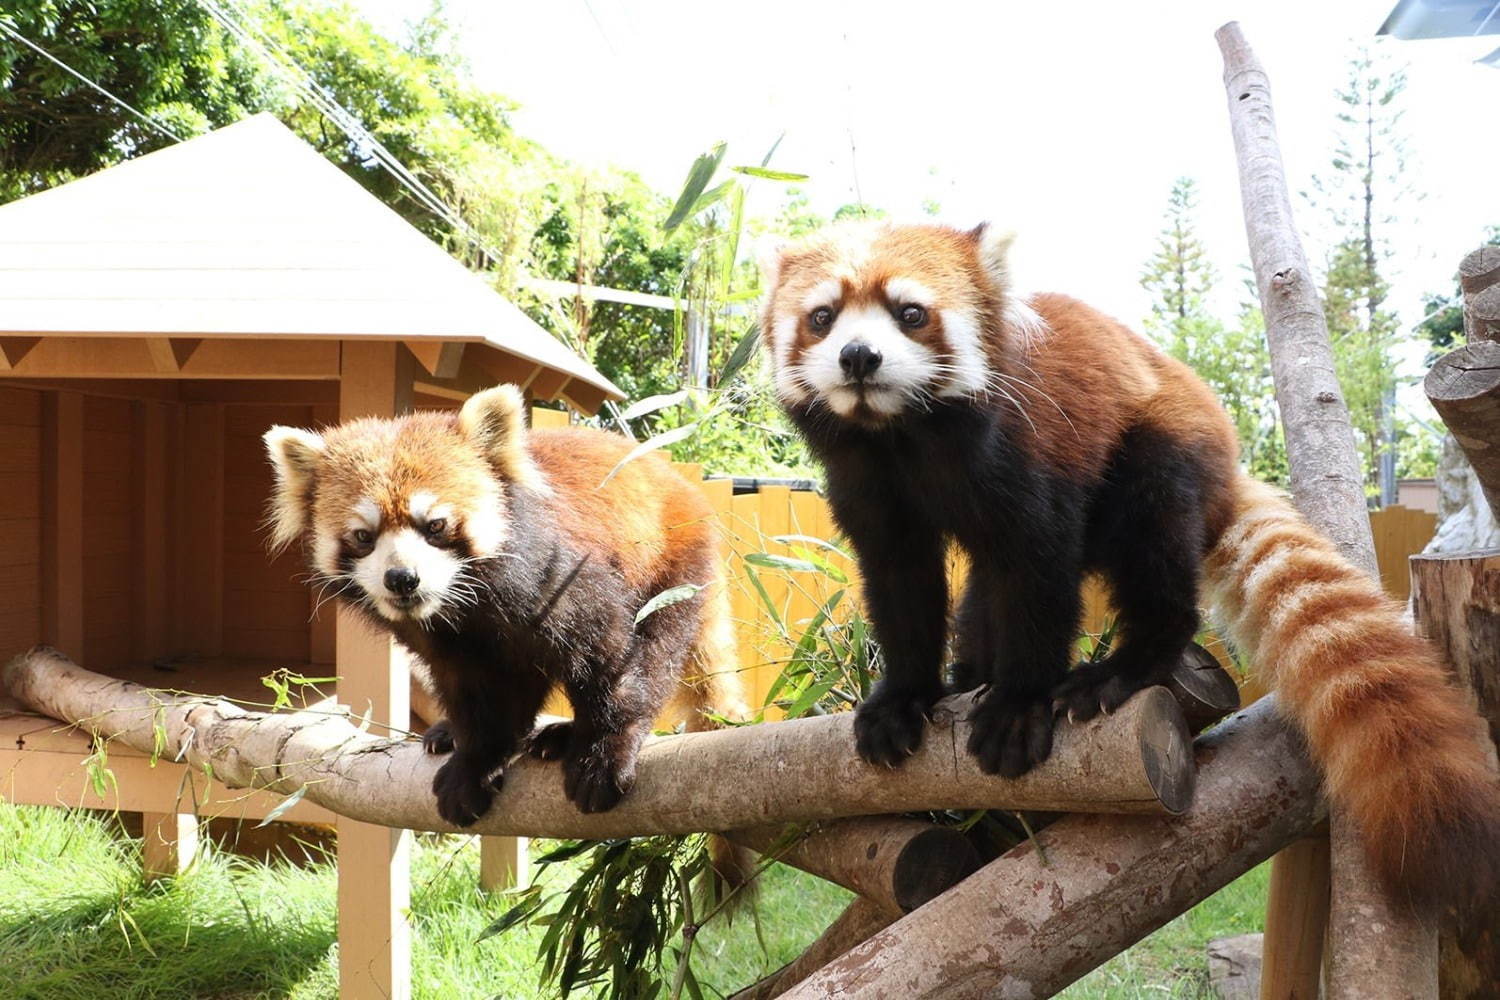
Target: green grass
(77, 921)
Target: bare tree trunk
(1372, 940)
(1049, 911)
(1456, 601)
(1138, 760)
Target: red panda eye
(913, 316)
(821, 318)
(437, 526)
(363, 536)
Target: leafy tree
(1232, 358)
(1366, 179)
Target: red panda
(495, 555)
(1048, 441)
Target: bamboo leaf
(701, 172)
(770, 560)
(652, 404)
(741, 355)
(649, 445)
(765, 161)
(282, 807)
(770, 175)
(817, 543)
(667, 598)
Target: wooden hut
(155, 319)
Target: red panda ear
(494, 421)
(768, 253)
(294, 454)
(993, 247)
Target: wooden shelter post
(374, 861)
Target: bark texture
(859, 921)
(1477, 275)
(1372, 940)
(1030, 923)
(1456, 602)
(1137, 761)
(1464, 387)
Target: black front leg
(486, 725)
(1016, 629)
(906, 595)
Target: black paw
(551, 741)
(1091, 688)
(888, 725)
(438, 738)
(595, 781)
(1011, 734)
(463, 791)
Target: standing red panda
(1047, 440)
(495, 555)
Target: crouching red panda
(1047, 440)
(496, 556)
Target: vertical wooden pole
(1296, 918)
(202, 547)
(169, 842)
(62, 521)
(503, 863)
(374, 861)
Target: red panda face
(394, 512)
(873, 320)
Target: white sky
(1064, 121)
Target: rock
(1234, 967)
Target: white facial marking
(905, 366)
(967, 373)
(405, 548)
(420, 505)
(368, 513)
(906, 291)
(1024, 321)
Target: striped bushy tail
(1401, 750)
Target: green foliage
(1359, 192)
(1232, 358)
(1444, 324)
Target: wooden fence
(770, 520)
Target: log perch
(860, 921)
(1203, 689)
(1464, 387)
(1030, 923)
(1479, 279)
(895, 862)
(1138, 760)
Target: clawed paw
(1091, 688)
(464, 791)
(594, 781)
(438, 738)
(1010, 734)
(888, 725)
(551, 741)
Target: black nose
(401, 581)
(858, 360)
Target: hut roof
(248, 232)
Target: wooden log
(1456, 602)
(896, 862)
(860, 920)
(1136, 761)
(1464, 387)
(1373, 939)
(1203, 689)
(1047, 912)
(1477, 275)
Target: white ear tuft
(994, 253)
(495, 421)
(768, 252)
(294, 454)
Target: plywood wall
(266, 601)
(108, 560)
(20, 520)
